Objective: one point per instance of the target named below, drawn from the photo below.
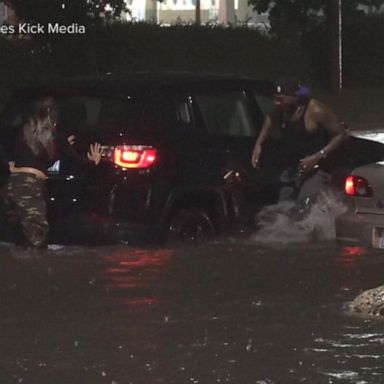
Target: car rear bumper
(360, 228)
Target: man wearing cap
(311, 131)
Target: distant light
(108, 8)
(63, 6)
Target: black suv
(176, 156)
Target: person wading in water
(312, 133)
(37, 147)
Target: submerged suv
(176, 156)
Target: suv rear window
(226, 113)
(99, 115)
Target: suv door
(231, 118)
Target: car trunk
(373, 174)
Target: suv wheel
(191, 225)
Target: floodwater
(264, 308)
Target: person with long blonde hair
(37, 147)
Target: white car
(363, 222)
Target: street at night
(229, 311)
(191, 191)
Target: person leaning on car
(37, 147)
(311, 132)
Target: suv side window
(169, 113)
(266, 106)
(12, 116)
(183, 112)
(226, 113)
(11, 120)
(265, 103)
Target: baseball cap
(291, 88)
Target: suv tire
(191, 225)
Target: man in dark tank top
(311, 132)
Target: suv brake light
(134, 156)
(357, 186)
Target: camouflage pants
(24, 205)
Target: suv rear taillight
(134, 156)
(357, 186)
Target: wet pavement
(230, 311)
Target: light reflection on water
(127, 271)
(230, 311)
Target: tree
(289, 18)
(292, 19)
(197, 12)
(374, 5)
(66, 11)
(313, 26)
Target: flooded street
(266, 307)
(230, 311)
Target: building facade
(170, 12)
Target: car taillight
(357, 186)
(134, 156)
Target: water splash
(278, 224)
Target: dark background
(121, 48)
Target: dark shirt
(298, 141)
(25, 157)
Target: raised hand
(94, 153)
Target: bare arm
(333, 126)
(265, 129)
(324, 118)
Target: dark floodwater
(231, 311)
